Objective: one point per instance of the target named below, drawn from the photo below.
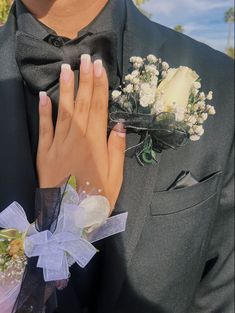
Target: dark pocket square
(185, 179)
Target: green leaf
(73, 182)
(10, 234)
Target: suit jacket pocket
(173, 201)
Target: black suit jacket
(176, 255)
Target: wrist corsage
(35, 258)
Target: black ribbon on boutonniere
(157, 133)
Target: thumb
(116, 150)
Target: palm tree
(179, 28)
(229, 18)
(231, 52)
(139, 4)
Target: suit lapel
(138, 185)
(17, 179)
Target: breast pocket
(173, 201)
(175, 238)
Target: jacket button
(56, 41)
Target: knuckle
(64, 114)
(99, 83)
(96, 104)
(44, 130)
(78, 130)
(82, 105)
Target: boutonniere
(164, 105)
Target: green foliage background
(4, 9)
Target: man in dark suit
(176, 255)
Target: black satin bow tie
(40, 62)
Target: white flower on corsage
(165, 103)
(82, 220)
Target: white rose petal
(177, 86)
(94, 210)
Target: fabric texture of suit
(176, 255)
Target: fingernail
(98, 68)
(86, 63)
(120, 130)
(66, 72)
(43, 98)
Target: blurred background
(209, 21)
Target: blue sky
(201, 19)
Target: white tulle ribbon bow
(81, 222)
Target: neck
(66, 17)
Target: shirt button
(56, 41)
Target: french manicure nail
(66, 72)
(120, 130)
(86, 63)
(98, 68)
(43, 98)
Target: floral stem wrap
(35, 292)
(158, 132)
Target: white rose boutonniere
(175, 90)
(165, 105)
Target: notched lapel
(16, 159)
(139, 181)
